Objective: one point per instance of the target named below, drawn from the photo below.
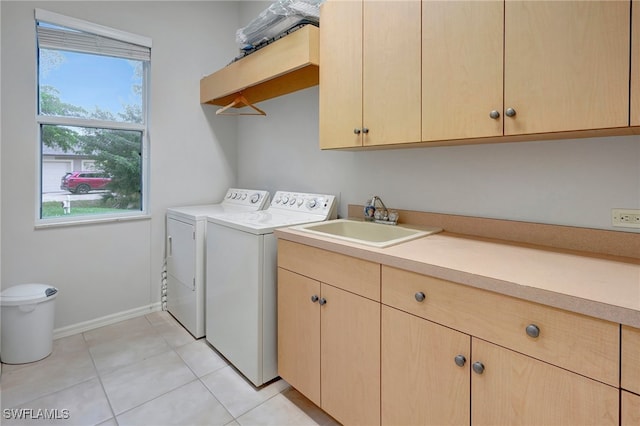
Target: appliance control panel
(247, 197)
(319, 204)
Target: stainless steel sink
(368, 233)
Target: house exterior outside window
(92, 117)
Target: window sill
(45, 224)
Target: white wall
(105, 269)
(570, 182)
(565, 182)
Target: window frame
(40, 120)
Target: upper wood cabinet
(462, 62)
(398, 72)
(635, 63)
(566, 65)
(370, 75)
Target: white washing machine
(185, 248)
(241, 279)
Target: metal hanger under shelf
(240, 100)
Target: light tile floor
(145, 371)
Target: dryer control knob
(293, 201)
(244, 196)
(300, 201)
(285, 199)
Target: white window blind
(81, 36)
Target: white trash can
(27, 322)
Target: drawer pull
(323, 301)
(478, 367)
(533, 331)
(314, 298)
(420, 296)
(460, 360)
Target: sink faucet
(376, 210)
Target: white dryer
(185, 249)
(241, 279)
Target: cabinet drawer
(348, 273)
(576, 342)
(630, 379)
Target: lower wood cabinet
(374, 345)
(434, 375)
(329, 347)
(425, 372)
(630, 409)
(630, 378)
(511, 388)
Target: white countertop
(600, 286)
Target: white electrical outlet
(625, 218)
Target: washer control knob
(229, 194)
(285, 199)
(293, 201)
(300, 201)
(255, 198)
(312, 203)
(244, 196)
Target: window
(92, 120)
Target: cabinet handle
(323, 301)
(356, 131)
(314, 298)
(460, 360)
(170, 246)
(494, 114)
(510, 112)
(365, 130)
(533, 330)
(420, 296)
(478, 367)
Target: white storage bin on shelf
(27, 322)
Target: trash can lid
(27, 293)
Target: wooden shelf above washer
(285, 66)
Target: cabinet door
(299, 333)
(350, 357)
(635, 63)
(462, 60)
(518, 390)
(566, 65)
(391, 72)
(421, 383)
(630, 410)
(340, 96)
(630, 379)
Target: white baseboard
(106, 320)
